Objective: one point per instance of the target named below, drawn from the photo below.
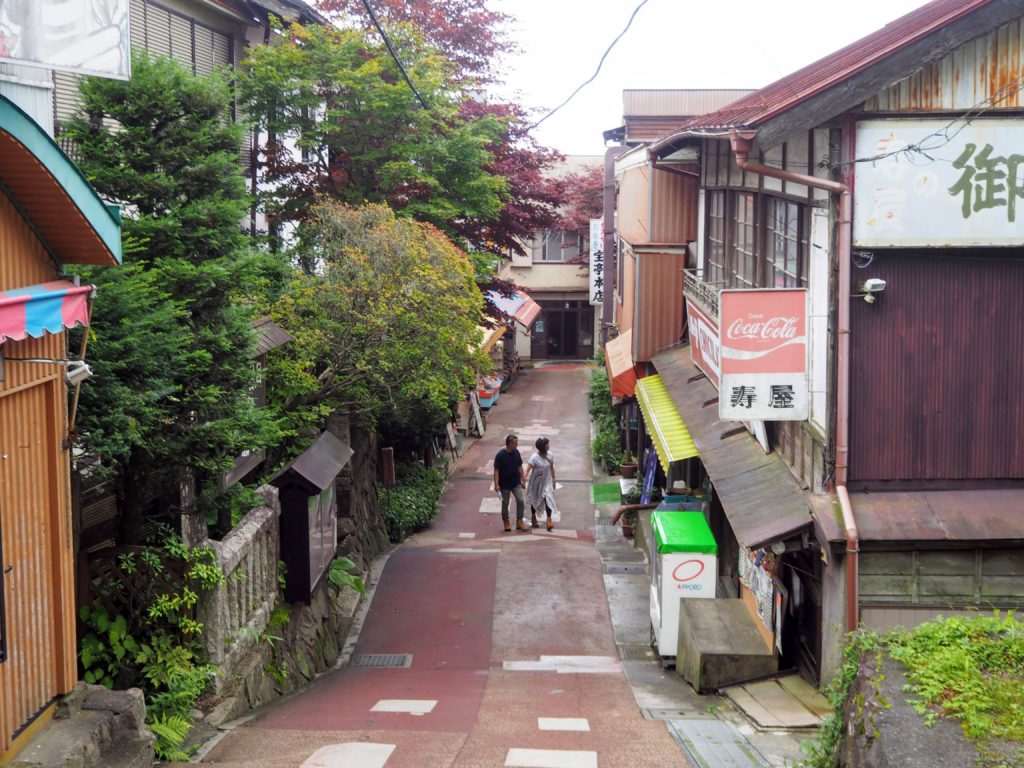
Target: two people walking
(537, 475)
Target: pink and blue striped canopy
(44, 308)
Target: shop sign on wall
(928, 183)
(763, 338)
(597, 261)
(704, 346)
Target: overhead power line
(391, 50)
(596, 71)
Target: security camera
(873, 285)
(78, 372)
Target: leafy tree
(467, 32)
(584, 199)
(362, 135)
(382, 327)
(172, 333)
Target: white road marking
(491, 505)
(550, 758)
(515, 537)
(563, 724)
(467, 535)
(405, 706)
(362, 754)
(542, 399)
(565, 665)
(560, 533)
(468, 551)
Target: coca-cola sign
(763, 355)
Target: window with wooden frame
(743, 250)
(785, 260)
(714, 254)
(754, 241)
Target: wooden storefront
(49, 215)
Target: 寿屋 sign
(597, 261)
(763, 339)
(933, 183)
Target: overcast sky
(671, 44)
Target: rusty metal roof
(986, 515)
(677, 102)
(834, 69)
(269, 336)
(760, 496)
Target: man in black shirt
(509, 479)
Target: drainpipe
(610, 276)
(742, 143)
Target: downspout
(610, 276)
(742, 143)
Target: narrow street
(513, 656)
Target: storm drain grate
(383, 660)
(677, 714)
(603, 520)
(714, 743)
(625, 568)
(635, 652)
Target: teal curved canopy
(49, 190)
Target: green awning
(668, 432)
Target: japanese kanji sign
(597, 261)
(704, 347)
(763, 338)
(925, 183)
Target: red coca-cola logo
(688, 570)
(770, 329)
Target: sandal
(550, 525)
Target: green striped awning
(668, 432)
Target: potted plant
(628, 519)
(628, 464)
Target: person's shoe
(551, 525)
(533, 522)
(508, 526)
(521, 526)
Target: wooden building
(884, 181)
(49, 216)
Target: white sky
(671, 44)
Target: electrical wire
(599, 64)
(391, 50)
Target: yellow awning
(668, 432)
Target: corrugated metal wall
(633, 204)
(35, 504)
(659, 314)
(673, 207)
(936, 368)
(987, 71)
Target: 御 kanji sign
(763, 339)
(918, 183)
(597, 261)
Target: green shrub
(600, 395)
(412, 503)
(606, 447)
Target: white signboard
(937, 183)
(763, 338)
(89, 37)
(597, 261)
(704, 347)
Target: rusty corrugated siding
(673, 207)
(988, 69)
(659, 303)
(34, 503)
(633, 205)
(624, 308)
(937, 371)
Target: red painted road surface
(502, 597)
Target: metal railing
(704, 294)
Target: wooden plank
(753, 708)
(782, 706)
(806, 694)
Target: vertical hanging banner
(597, 261)
(763, 339)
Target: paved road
(514, 661)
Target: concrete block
(719, 645)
